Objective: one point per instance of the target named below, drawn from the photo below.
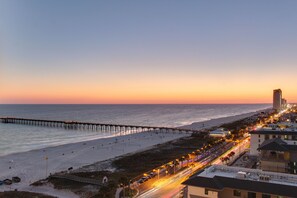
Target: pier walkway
(74, 125)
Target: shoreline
(37, 164)
(32, 165)
(200, 125)
(216, 122)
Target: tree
(107, 191)
(123, 181)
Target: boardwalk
(116, 128)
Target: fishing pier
(115, 128)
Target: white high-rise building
(277, 99)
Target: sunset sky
(67, 51)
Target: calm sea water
(18, 138)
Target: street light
(174, 164)
(46, 158)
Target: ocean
(19, 138)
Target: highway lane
(170, 186)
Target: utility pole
(46, 159)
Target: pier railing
(95, 126)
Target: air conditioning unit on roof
(241, 175)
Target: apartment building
(219, 181)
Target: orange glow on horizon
(150, 88)
(140, 98)
(138, 95)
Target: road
(170, 186)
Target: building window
(266, 196)
(286, 137)
(266, 137)
(206, 191)
(259, 140)
(236, 193)
(251, 195)
(259, 136)
(273, 136)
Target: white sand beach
(218, 121)
(38, 164)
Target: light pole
(46, 158)
(174, 168)
(123, 189)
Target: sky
(119, 52)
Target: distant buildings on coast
(219, 133)
(279, 102)
(274, 174)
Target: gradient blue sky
(66, 51)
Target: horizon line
(132, 103)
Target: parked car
(153, 174)
(144, 179)
(7, 181)
(16, 179)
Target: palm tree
(123, 181)
(104, 191)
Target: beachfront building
(277, 99)
(220, 133)
(284, 103)
(258, 136)
(283, 125)
(220, 181)
(278, 156)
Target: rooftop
(287, 123)
(219, 177)
(220, 131)
(277, 144)
(277, 131)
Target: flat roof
(218, 177)
(217, 132)
(277, 131)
